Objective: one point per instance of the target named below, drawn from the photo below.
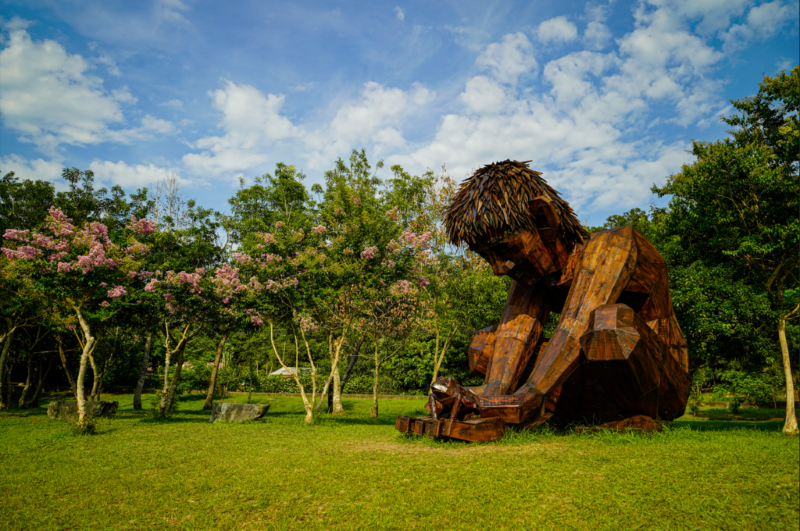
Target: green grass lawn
(351, 472)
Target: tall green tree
(738, 203)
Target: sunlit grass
(353, 472)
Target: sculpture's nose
(500, 265)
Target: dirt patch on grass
(412, 447)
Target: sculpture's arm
(604, 270)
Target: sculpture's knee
(613, 332)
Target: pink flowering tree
(219, 300)
(81, 273)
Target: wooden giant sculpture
(617, 351)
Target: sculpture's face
(524, 256)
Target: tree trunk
(88, 346)
(137, 396)
(790, 425)
(168, 395)
(250, 391)
(439, 358)
(374, 412)
(4, 403)
(71, 380)
(351, 363)
(338, 409)
(28, 381)
(213, 385)
(40, 384)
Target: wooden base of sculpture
(617, 351)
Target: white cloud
(175, 104)
(508, 59)
(557, 29)
(170, 11)
(714, 15)
(484, 96)
(371, 118)
(110, 65)
(38, 169)
(400, 13)
(597, 35)
(150, 123)
(761, 23)
(48, 97)
(473, 39)
(129, 176)
(252, 124)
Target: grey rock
(231, 412)
(69, 409)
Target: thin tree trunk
(28, 379)
(374, 412)
(308, 405)
(9, 389)
(790, 425)
(72, 383)
(40, 384)
(250, 391)
(351, 363)
(5, 403)
(338, 409)
(439, 358)
(88, 346)
(168, 394)
(137, 396)
(213, 385)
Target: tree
(80, 273)
(738, 203)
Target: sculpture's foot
(475, 430)
(523, 406)
(641, 423)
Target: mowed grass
(351, 472)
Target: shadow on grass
(728, 425)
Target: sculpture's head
(511, 217)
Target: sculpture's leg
(523, 319)
(634, 364)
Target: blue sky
(604, 98)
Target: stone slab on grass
(231, 412)
(69, 409)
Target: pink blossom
(151, 286)
(356, 200)
(59, 223)
(143, 226)
(347, 250)
(369, 252)
(279, 225)
(256, 320)
(103, 284)
(14, 234)
(116, 292)
(242, 258)
(63, 267)
(318, 230)
(169, 297)
(401, 287)
(423, 282)
(105, 304)
(55, 257)
(392, 214)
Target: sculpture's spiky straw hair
(496, 201)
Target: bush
(745, 386)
